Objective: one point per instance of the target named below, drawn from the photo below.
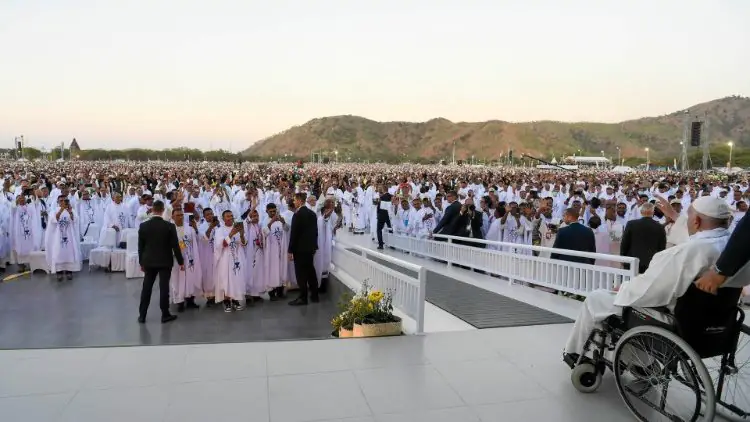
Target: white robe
(188, 283)
(206, 252)
(87, 215)
(25, 233)
(4, 230)
(229, 265)
(668, 277)
(62, 240)
(255, 274)
(322, 257)
(291, 276)
(115, 215)
(275, 263)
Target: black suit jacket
(642, 239)
(157, 243)
(447, 223)
(575, 237)
(736, 253)
(303, 235)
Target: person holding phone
(230, 271)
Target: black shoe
(190, 303)
(380, 248)
(210, 302)
(181, 307)
(323, 286)
(70, 275)
(256, 299)
(227, 306)
(141, 319)
(59, 277)
(168, 318)
(298, 302)
(314, 299)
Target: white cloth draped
(229, 265)
(62, 243)
(188, 283)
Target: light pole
(731, 147)
(337, 156)
(648, 160)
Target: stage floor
(100, 309)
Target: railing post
(448, 250)
(422, 299)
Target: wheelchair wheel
(662, 377)
(733, 402)
(586, 378)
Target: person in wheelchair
(669, 275)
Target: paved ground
(100, 309)
(493, 375)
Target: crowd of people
(248, 208)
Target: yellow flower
(375, 296)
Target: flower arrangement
(368, 307)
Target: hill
(360, 138)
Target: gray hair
(647, 209)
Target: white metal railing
(408, 289)
(517, 262)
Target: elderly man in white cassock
(668, 276)
(275, 266)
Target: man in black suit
(303, 242)
(643, 238)
(447, 222)
(157, 243)
(575, 237)
(384, 219)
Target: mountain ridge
(356, 137)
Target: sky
(225, 73)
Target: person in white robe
(291, 277)
(116, 217)
(206, 240)
(275, 263)
(62, 240)
(495, 231)
(322, 257)
(185, 284)
(5, 207)
(230, 261)
(668, 276)
(87, 213)
(25, 230)
(255, 274)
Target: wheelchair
(682, 366)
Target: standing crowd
(234, 221)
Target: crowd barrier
(408, 287)
(518, 263)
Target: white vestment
(25, 233)
(87, 214)
(229, 265)
(62, 240)
(275, 263)
(322, 259)
(255, 274)
(188, 283)
(668, 277)
(115, 215)
(206, 253)
(291, 276)
(4, 230)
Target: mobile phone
(191, 218)
(27, 192)
(238, 224)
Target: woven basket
(377, 330)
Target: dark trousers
(149, 278)
(382, 222)
(307, 277)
